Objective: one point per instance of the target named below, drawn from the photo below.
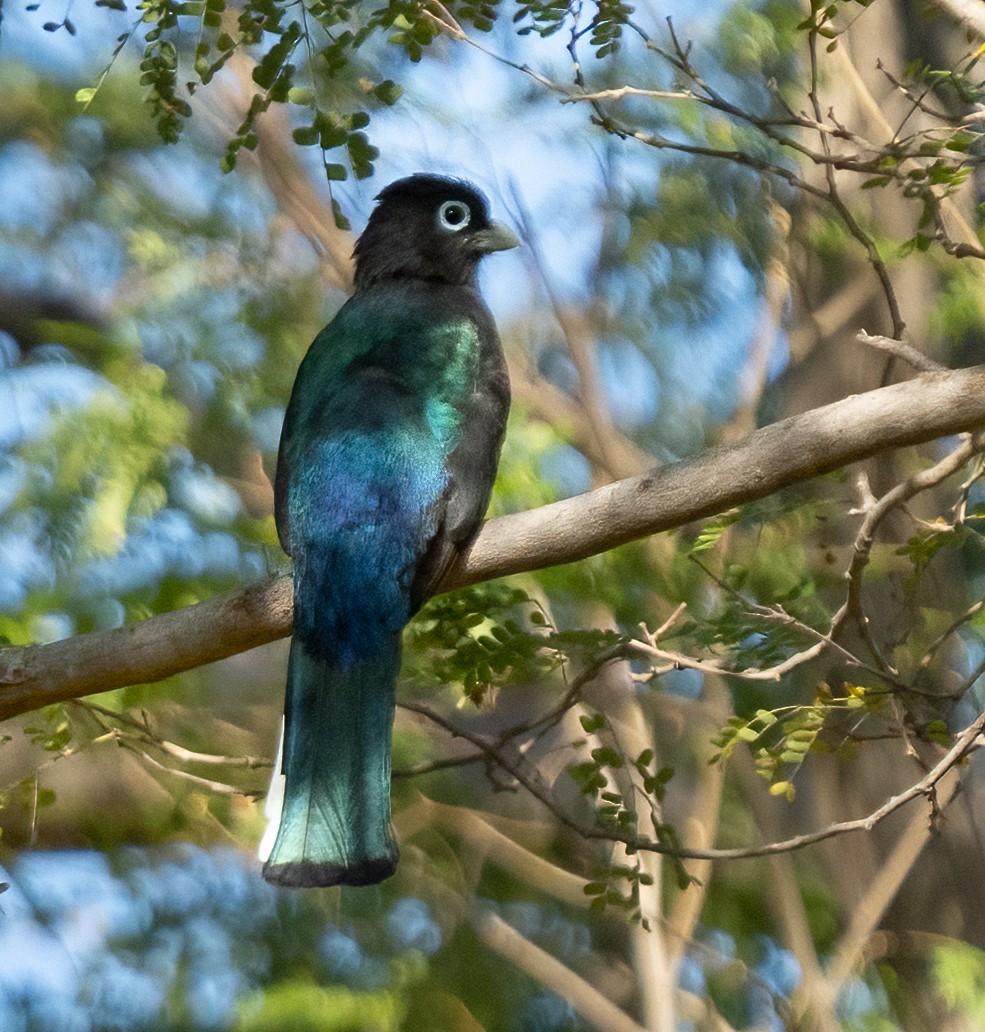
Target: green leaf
(387, 92)
(605, 756)
(301, 95)
(784, 788)
(305, 136)
(331, 134)
(711, 532)
(587, 776)
(45, 797)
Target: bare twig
(141, 731)
(900, 349)
(823, 640)
(849, 220)
(875, 113)
(219, 787)
(969, 614)
(445, 20)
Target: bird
(388, 453)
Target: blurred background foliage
(155, 300)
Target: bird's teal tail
(335, 823)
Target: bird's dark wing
(470, 466)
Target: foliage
(300, 61)
(572, 743)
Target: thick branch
(157, 648)
(930, 406)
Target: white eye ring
(454, 216)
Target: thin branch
(918, 103)
(540, 725)
(634, 91)
(875, 113)
(774, 673)
(141, 731)
(969, 614)
(964, 743)
(445, 20)
(658, 142)
(900, 349)
(849, 220)
(430, 766)
(179, 752)
(219, 787)
(823, 641)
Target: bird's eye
(454, 216)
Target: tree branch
(929, 406)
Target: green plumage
(326, 830)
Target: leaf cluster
(328, 33)
(51, 729)
(473, 637)
(781, 739)
(822, 18)
(604, 30)
(923, 546)
(600, 777)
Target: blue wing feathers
(386, 462)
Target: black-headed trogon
(387, 458)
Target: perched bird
(387, 459)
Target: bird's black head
(428, 228)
